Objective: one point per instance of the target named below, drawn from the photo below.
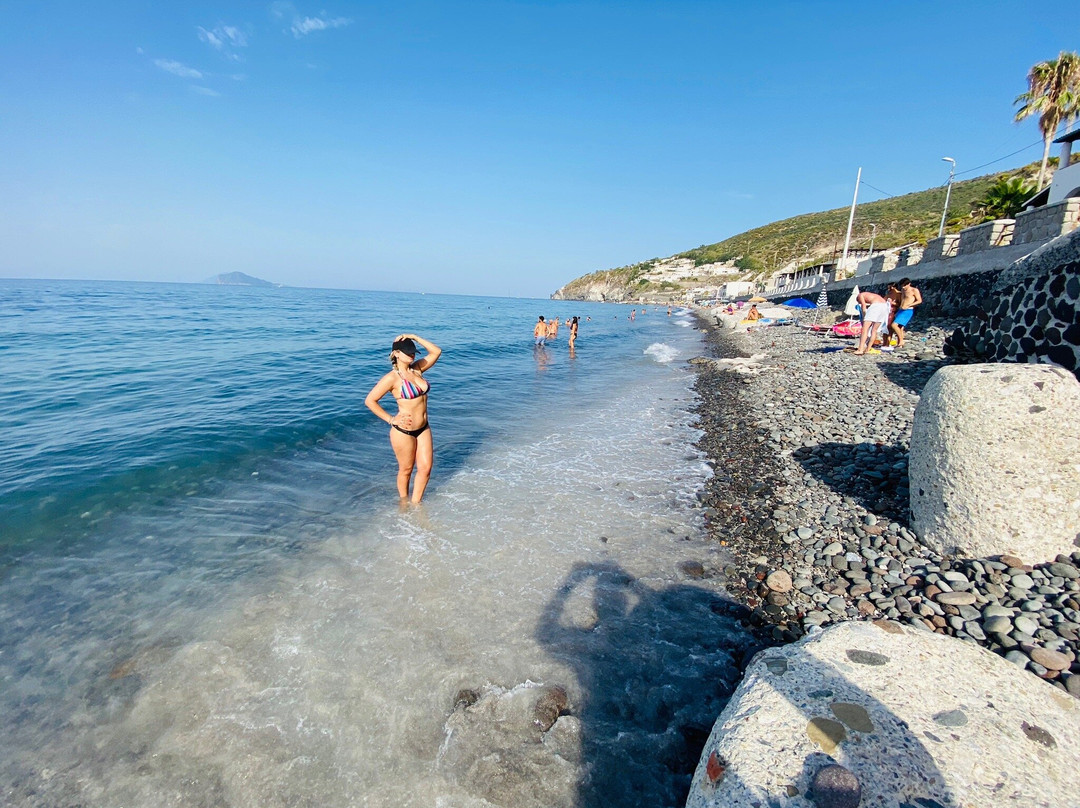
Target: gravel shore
(809, 499)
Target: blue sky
(477, 147)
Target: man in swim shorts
(910, 297)
(540, 332)
(875, 313)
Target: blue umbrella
(800, 303)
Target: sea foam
(662, 352)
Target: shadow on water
(655, 668)
(873, 475)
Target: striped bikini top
(410, 390)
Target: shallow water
(209, 599)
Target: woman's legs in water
(424, 452)
(404, 448)
(410, 452)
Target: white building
(1066, 182)
(734, 289)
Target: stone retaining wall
(909, 255)
(985, 236)
(952, 296)
(1031, 313)
(938, 248)
(1047, 222)
(884, 263)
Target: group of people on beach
(891, 312)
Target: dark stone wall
(1031, 314)
(953, 296)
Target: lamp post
(948, 190)
(851, 219)
(873, 235)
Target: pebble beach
(809, 502)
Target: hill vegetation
(813, 238)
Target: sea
(210, 596)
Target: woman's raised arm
(432, 355)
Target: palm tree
(1053, 93)
(1005, 198)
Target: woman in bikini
(410, 433)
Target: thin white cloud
(178, 69)
(223, 36)
(302, 26)
(205, 91)
(224, 39)
(210, 38)
(237, 37)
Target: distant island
(240, 279)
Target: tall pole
(850, 221)
(948, 190)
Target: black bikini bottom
(412, 433)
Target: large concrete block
(916, 718)
(995, 461)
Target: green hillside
(813, 237)
(817, 237)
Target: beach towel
(847, 328)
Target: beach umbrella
(821, 305)
(756, 299)
(850, 309)
(800, 303)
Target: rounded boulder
(993, 465)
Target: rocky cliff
(603, 290)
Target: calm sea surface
(207, 594)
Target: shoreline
(809, 502)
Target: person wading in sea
(540, 331)
(410, 433)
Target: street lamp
(873, 235)
(948, 190)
